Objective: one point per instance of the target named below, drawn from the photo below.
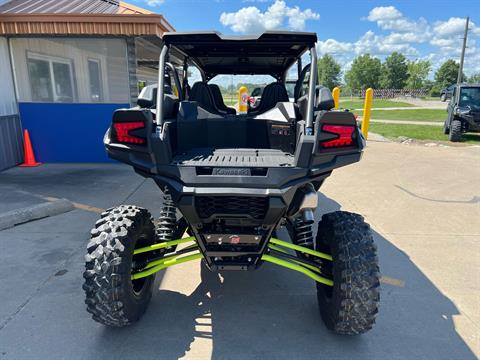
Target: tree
(447, 74)
(364, 73)
(394, 72)
(475, 79)
(417, 73)
(328, 71)
(429, 85)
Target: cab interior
(204, 130)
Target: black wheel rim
(139, 285)
(327, 270)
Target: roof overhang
(268, 53)
(86, 25)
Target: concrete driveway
(422, 202)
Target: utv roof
(269, 53)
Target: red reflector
(123, 129)
(344, 133)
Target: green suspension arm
(274, 244)
(173, 260)
(297, 267)
(301, 249)
(163, 245)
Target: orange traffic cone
(28, 155)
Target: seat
(218, 99)
(147, 99)
(272, 94)
(323, 101)
(298, 91)
(200, 93)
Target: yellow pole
(243, 100)
(336, 96)
(367, 108)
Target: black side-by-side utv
(463, 111)
(230, 181)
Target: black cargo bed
(234, 158)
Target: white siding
(8, 104)
(111, 54)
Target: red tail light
(344, 135)
(123, 132)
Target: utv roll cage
(208, 50)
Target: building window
(95, 76)
(72, 70)
(51, 78)
(40, 80)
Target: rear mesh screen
(207, 206)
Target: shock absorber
(302, 225)
(167, 223)
(303, 232)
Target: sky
(420, 29)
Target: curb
(19, 216)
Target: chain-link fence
(387, 93)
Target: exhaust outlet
(307, 216)
(309, 203)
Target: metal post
(242, 100)
(460, 70)
(367, 108)
(299, 67)
(336, 96)
(185, 78)
(161, 85)
(311, 91)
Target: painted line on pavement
(392, 281)
(76, 205)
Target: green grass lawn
(431, 98)
(413, 115)
(420, 132)
(229, 102)
(377, 103)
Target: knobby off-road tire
(351, 305)
(455, 131)
(446, 129)
(111, 296)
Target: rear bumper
(233, 225)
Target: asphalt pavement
(423, 204)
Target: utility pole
(460, 70)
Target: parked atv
(447, 93)
(230, 181)
(463, 112)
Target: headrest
(147, 97)
(324, 99)
(199, 89)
